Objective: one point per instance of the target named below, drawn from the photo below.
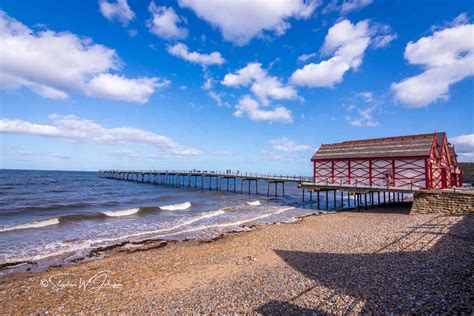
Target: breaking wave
(176, 207)
(126, 212)
(36, 224)
(254, 203)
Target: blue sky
(249, 85)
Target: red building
(425, 161)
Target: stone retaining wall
(447, 202)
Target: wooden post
(327, 199)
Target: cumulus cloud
(53, 65)
(164, 23)
(118, 11)
(181, 50)
(286, 145)
(347, 43)
(240, 21)
(447, 57)
(249, 107)
(262, 85)
(464, 146)
(73, 128)
(117, 87)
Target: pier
(343, 195)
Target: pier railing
(238, 174)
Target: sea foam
(254, 203)
(37, 224)
(126, 212)
(176, 207)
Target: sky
(249, 85)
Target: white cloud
(241, 20)
(218, 98)
(346, 6)
(463, 144)
(73, 128)
(348, 42)
(116, 87)
(249, 107)
(118, 10)
(364, 117)
(53, 65)
(367, 96)
(181, 50)
(352, 5)
(384, 40)
(286, 145)
(263, 86)
(164, 23)
(305, 57)
(447, 57)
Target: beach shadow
(393, 279)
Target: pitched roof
(400, 146)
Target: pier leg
(249, 185)
(202, 183)
(327, 200)
(348, 200)
(402, 197)
(319, 200)
(335, 199)
(398, 197)
(365, 201)
(303, 194)
(283, 189)
(384, 198)
(378, 198)
(372, 198)
(256, 187)
(311, 196)
(268, 190)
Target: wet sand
(382, 260)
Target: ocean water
(46, 216)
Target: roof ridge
(382, 139)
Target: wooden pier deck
(197, 179)
(219, 181)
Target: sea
(61, 217)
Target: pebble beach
(378, 261)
